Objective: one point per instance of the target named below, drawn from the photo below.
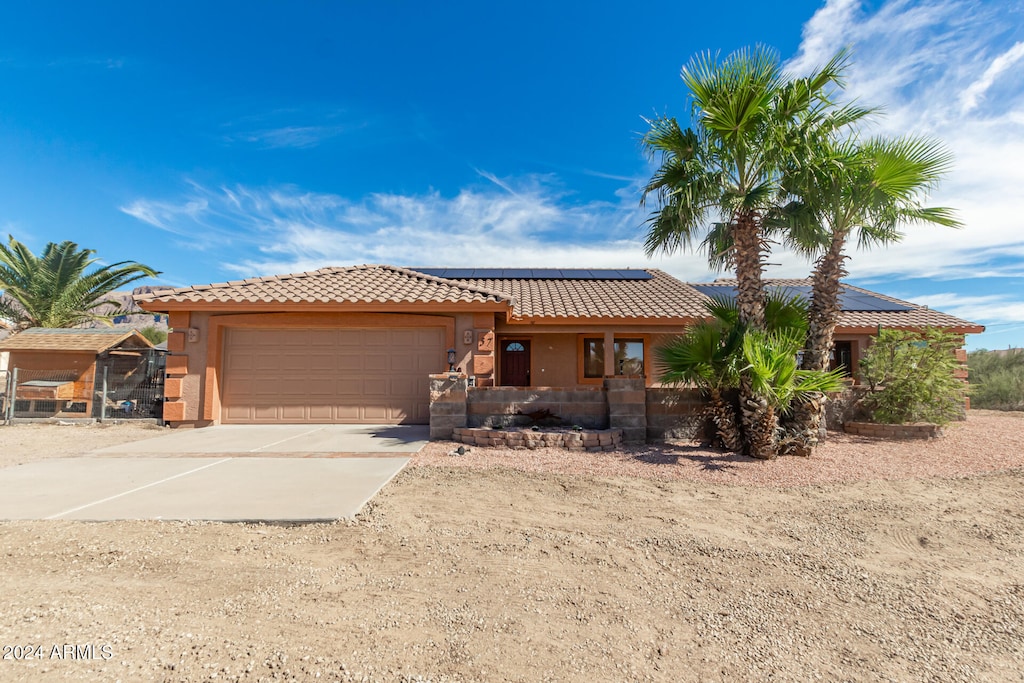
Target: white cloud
(941, 68)
(506, 222)
(996, 308)
(975, 91)
(287, 137)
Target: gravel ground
(868, 561)
(989, 441)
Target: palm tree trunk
(805, 425)
(825, 309)
(762, 436)
(748, 258)
(727, 427)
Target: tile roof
(74, 339)
(356, 284)
(914, 316)
(661, 296)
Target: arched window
(514, 346)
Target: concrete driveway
(272, 473)
(292, 439)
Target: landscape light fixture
(451, 359)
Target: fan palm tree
(779, 386)
(707, 356)
(54, 289)
(720, 178)
(714, 353)
(858, 191)
(855, 191)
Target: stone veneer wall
(499, 406)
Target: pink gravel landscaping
(989, 441)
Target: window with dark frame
(593, 358)
(629, 357)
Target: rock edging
(918, 430)
(592, 440)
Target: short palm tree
(54, 289)
(779, 386)
(708, 357)
(714, 354)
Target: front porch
(623, 404)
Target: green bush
(154, 334)
(997, 379)
(911, 377)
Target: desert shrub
(154, 334)
(911, 377)
(997, 379)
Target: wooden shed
(57, 368)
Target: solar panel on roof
(849, 300)
(534, 274)
(517, 273)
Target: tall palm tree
(720, 178)
(54, 289)
(858, 191)
(852, 190)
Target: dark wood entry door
(515, 363)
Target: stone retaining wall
(920, 430)
(592, 440)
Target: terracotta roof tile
(60, 339)
(365, 284)
(543, 298)
(661, 296)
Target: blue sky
(215, 141)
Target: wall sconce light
(451, 359)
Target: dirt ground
(501, 574)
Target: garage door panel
(349, 361)
(377, 338)
(330, 374)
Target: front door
(515, 363)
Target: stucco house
(359, 344)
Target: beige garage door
(347, 375)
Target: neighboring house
(59, 370)
(357, 344)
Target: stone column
(447, 404)
(627, 407)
